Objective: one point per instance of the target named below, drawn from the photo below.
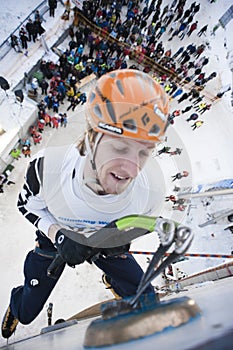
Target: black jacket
(52, 4)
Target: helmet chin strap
(92, 153)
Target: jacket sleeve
(31, 203)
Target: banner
(222, 184)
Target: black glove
(72, 253)
(115, 250)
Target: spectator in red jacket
(192, 28)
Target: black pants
(28, 300)
(51, 11)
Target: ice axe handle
(53, 269)
(117, 233)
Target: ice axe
(117, 233)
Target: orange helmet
(128, 103)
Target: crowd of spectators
(130, 37)
(124, 34)
(32, 30)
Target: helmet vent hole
(111, 110)
(97, 111)
(130, 125)
(120, 87)
(154, 130)
(112, 75)
(92, 97)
